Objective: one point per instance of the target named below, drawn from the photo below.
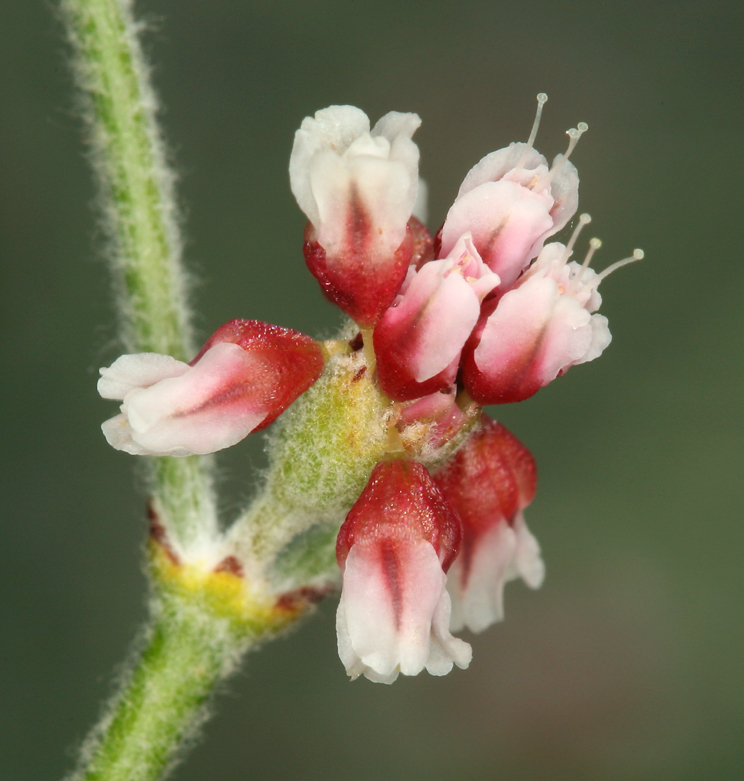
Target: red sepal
(288, 362)
(490, 479)
(516, 383)
(360, 284)
(401, 503)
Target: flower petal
(137, 371)
(384, 630)
(508, 222)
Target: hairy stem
(138, 204)
(136, 183)
(187, 652)
(190, 645)
(203, 623)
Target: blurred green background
(628, 663)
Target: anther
(542, 99)
(457, 268)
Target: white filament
(594, 245)
(542, 99)
(574, 134)
(637, 255)
(584, 219)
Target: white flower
(506, 551)
(394, 548)
(246, 375)
(341, 173)
(183, 413)
(540, 328)
(489, 482)
(384, 630)
(419, 339)
(511, 201)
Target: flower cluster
(484, 312)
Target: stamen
(584, 219)
(542, 99)
(638, 254)
(459, 267)
(594, 245)
(574, 134)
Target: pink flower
(394, 548)
(511, 201)
(489, 482)
(436, 419)
(419, 339)
(245, 376)
(358, 189)
(539, 329)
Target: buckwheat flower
(511, 201)
(419, 339)
(394, 549)
(489, 482)
(245, 376)
(358, 189)
(433, 421)
(540, 328)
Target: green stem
(137, 184)
(139, 208)
(189, 647)
(188, 650)
(184, 499)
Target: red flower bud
(489, 482)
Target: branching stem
(189, 646)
